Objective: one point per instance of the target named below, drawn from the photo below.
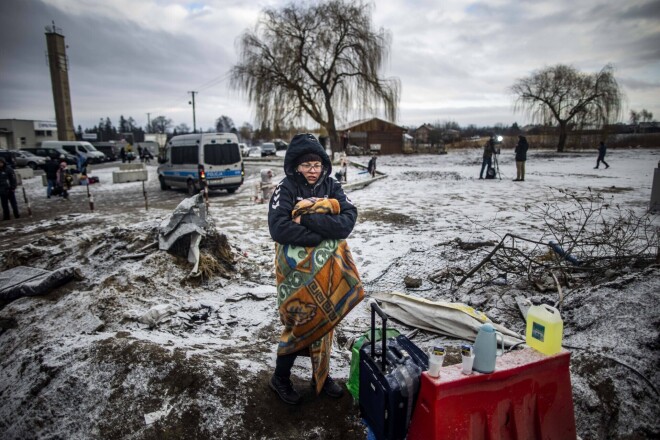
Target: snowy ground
(79, 364)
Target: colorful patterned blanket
(316, 288)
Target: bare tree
(315, 60)
(634, 119)
(182, 128)
(245, 132)
(160, 124)
(224, 124)
(563, 94)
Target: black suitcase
(389, 384)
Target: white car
(254, 152)
(245, 150)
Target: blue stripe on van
(209, 174)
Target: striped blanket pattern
(316, 288)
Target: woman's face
(311, 171)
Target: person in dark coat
(489, 150)
(602, 149)
(308, 172)
(371, 166)
(521, 157)
(8, 185)
(51, 168)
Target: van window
(185, 154)
(83, 149)
(221, 154)
(70, 148)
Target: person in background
(489, 150)
(344, 168)
(309, 218)
(521, 157)
(602, 149)
(8, 185)
(64, 180)
(80, 163)
(122, 155)
(51, 168)
(371, 166)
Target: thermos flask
(486, 350)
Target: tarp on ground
(23, 281)
(450, 319)
(183, 230)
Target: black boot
(284, 388)
(331, 388)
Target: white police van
(217, 154)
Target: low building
(375, 135)
(19, 133)
(423, 133)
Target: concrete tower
(59, 78)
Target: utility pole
(193, 104)
(148, 122)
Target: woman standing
(521, 158)
(309, 218)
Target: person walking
(521, 157)
(371, 166)
(602, 149)
(487, 161)
(309, 218)
(51, 168)
(8, 185)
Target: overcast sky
(455, 59)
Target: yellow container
(544, 329)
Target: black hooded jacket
(7, 177)
(521, 149)
(313, 228)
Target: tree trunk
(563, 135)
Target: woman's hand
(296, 219)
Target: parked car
(8, 156)
(53, 152)
(110, 149)
(27, 159)
(268, 149)
(245, 150)
(280, 144)
(254, 152)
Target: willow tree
(315, 60)
(563, 94)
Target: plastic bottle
(544, 329)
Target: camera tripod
(493, 170)
(496, 165)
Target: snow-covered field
(78, 363)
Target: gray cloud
(455, 60)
